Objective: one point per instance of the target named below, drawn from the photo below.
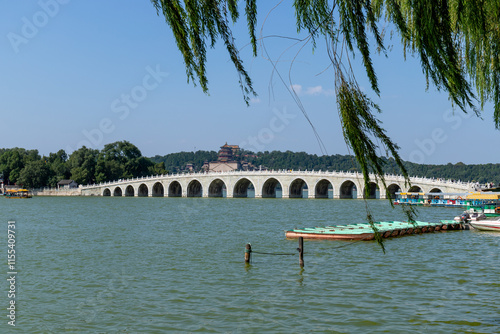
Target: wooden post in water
(301, 251)
(248, 253)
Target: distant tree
(122, 157)
(176, 162)
(12, 161)
(158, 169)
(59, 169)
(121, 160)
(30, 155)
(34, 175)
(82, 165)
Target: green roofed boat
(365, 232)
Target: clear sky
(90, 73)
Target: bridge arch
(269, 188)
(348, 189)
(158, 190)
(240, 184)
(106, 192)
(415, 189)
(241, 187)
(216, 188)
(322, 189)
(117, 191)
(194, 189)
(129, 191)
(435, 190)
(143, 190)
(371, 192)
(174, 189)
(392, 189)
(296, 188)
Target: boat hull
(484, 225)
(361, 236)
(365, 231)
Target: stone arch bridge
(269, 184)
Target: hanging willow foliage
(457, 42)
(194, 23)
(359, 126)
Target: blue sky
(90, 73)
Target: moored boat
(365, 231)
(17, 193)
(487, 204)
(491, 224)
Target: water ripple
(149, 265)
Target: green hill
(482, 173)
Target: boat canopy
(483, 196)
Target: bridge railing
(392, 177)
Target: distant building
(67, 184)
(227, 160)
(228, 153)
(220, 166)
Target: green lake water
(176, 265)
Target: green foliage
(195, 23)
(358, 123)
(121, 160)
(85, 166)
(12, 161)
(82, 165)
(433, 31)
(176, 162)
(158, 169)
(34, 175)
(276, 160)
(124, 160)
(58, 167)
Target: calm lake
(158, 265)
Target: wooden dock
(364, 231)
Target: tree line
(117, 160)
(176, 162)
(123, 160)
(482, 173)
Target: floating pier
(364, 231)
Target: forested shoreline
(482, 173)
(122, 159)
(85, 165)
